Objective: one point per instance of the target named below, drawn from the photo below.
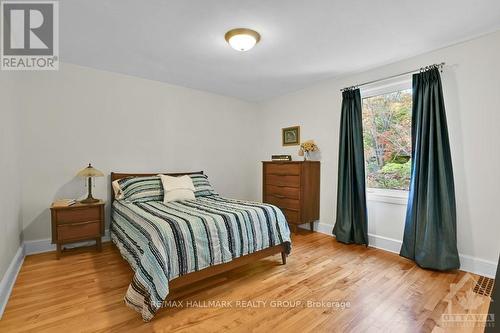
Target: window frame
(398, 197)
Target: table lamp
(90, 172)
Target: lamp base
(89, 201)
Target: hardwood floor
(84, 293)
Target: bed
(179, 243)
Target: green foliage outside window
(387, 140)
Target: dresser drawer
(78, 215)
(78, 230)
(292, 216)
(279, 180)
(283, 169)
(283, 191)
(283, 202)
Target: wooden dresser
(77, 223)
(294, 187)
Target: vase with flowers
(306, 148)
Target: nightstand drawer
(79, 215)
(78, 230)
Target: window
(387, 139)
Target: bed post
(283, 258)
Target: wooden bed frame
(190, 278)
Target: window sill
(395, 197)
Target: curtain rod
(421, 69)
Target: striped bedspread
(164, 241)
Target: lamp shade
(90, 171)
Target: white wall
(10, 187)
(472, 95)
(121, 123)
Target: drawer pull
(81, 223)
(291, 209)
(281, 185)
(278, 196)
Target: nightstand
(76, 223)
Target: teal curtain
(351, 222)
(430, 236)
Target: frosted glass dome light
(242, 39)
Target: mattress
(164, 241)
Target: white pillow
(117, 190)
(177, 188)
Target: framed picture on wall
(290, 136)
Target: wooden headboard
(120, 175)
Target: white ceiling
(303, 41)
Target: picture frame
(290, 136)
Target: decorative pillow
(139, 189)
(177, 188)
(116, 190)
(202, 186)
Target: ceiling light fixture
(242, 39)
